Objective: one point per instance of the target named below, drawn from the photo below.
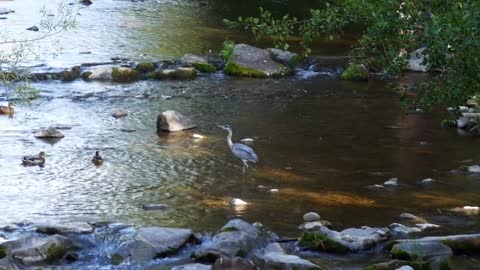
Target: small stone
(246, 140)
(410, 217)
(153, 207)
(119, 114)
(405, 267)
(198, 136)
(274, 190)
(311, 217)
(424, 226)
(86, 2)
(236, 201)
(427, 181)
(33, 28)
(261, 188)
(393, 182)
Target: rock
(415, 63)
(164, 240)
(182, 73)
(261, 188)
(192, 266)
(473, 169)
(11, 228)
(198, 136)
(275, 258)
(8, 264)
(248, 61)
(70, 75)
(119, 114)
(101, 73)
(285, 57)
(412, 218)
(434, 255)
(448, 123)
(236, 201)
(424, 226)
(124, 75)
(247, 140)
(355, 72)
(135, 251)
(467, 210)
(86, 75)
(77, 227)
(393, 182)
(274, 190)
(33, 28)
(155, 207)
(86, 2)
(235, 263)
(428, 181)
(145, 67)
(347, 240)
(314, 226)
(48, 133)
(391, 265)
(4, 11)
(172, 121)
(405, 267)
(311, 217)
(463, 122)
(464, 243)
(33, 250)
(199, 63)
(400, 230)
(237, 238)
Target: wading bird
(34, 160)
(97, 159)
(239, 150)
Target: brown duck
(8, 110)
(34, 160)
(97, 159)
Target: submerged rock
(463, 243)
(77, 227)
(355, 72)
(199, 63)
(237, 238)
(70, 75)
(275, 258)
(248, 61)
(86, 2)
(285, 57)
(235, 263)
(34, 251)
(400, 230)
(48, 133)
(172, 121)
(425, 255)
(119, 114)
(124, 75)
(183, 73)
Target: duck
(34, 160)
(8, 110)
(97, 159)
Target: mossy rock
(55, 252)
(124, 75)
(70, 75)
(355, 72)
(86, 75)
(321, 242)
(3, 252)
(204, 67)
(183, 73)
(145, 67)
(116, 259)
(234, 69)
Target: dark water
(320, 141)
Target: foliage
(14, 76)
(387, 31)
(227, 50)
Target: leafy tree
(387, 31)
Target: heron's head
(41, 154)
(225, 127)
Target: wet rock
(467, 210)
(275, 258)
(48, 133)
(311, 217)
(248, 61)
(145, 67)
(425, 226)
(33, 28)
(355, 72)
(193, 266)
(314, 226)
(135, 251)
(70, 75)
(405, 267)
(86, 75)
(4, 11)
(412, 218)
(124, 75)
(11, 227)
(426, 255)
(393, 182)
(86, 2)
(347, 240)
(262, 188)
(463, 243)
(101, 73)
(400, 230)
(182, 73)
(172, 121)
(237, 201)
(34, 251)
(473, 169)
(237, 238)
(235, 263)
(8, 264)
(155, 207)
(285, 57)
(63, 229)
(415, 63)
(427, 181)
(199, 63)
(446, 123)
(391, 265)
(119, 114)
(463, 122)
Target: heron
(239, 150)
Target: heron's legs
(245, 166)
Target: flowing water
(320, 141)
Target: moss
(204, 67)
(124, 75)
(321, 242)
(116, 259)
(355, 72)
(400, 254)
(3, 252)
(145, 67)
(86, 75)
(55, 252)
(236, 70)
(229, 229)
(296, 60)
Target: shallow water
(321, 142)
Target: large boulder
(199, 63)
(182, 73)
(285, 57)
(248, 61)
(153, 242)
(416, 61)
(35, 251)
(172, 121)
(48, 133)
(236, 263)
(349, 240)
(355, 72)
(63, 229)
(424, 255)
(237, 238)
(275, 258)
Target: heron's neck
(229, 139)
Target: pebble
(273, 190)
(261, 188)
(311, 217)
(247, 140)
(119, 114)
(428, 181)
(393, 182)
(236, 201)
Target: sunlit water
(320, 141)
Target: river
(320, 141)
